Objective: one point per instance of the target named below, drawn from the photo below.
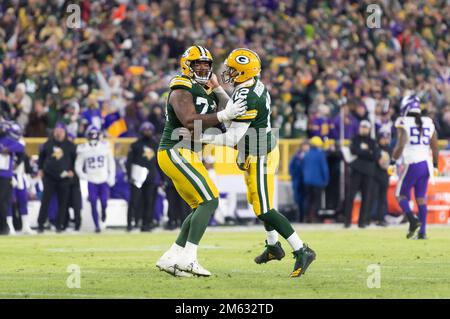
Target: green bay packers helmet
(241, 65)
(192, 55)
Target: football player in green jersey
(258, 156)
(194, 96)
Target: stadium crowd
(323, 64)
(114, 69)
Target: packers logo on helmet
(241, 65)
(189, 60)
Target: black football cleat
(422, 236)
(414, 225)
(271, 252)
(303, 258)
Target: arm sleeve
(230, 138)
(104, 86)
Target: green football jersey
(205, 102)
(259, 139)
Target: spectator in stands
(321, 124)
(362, 172)
(38, 121)
(444, 123)
(56, 168)
(22, 104)
(5, 106)
(330, 58)
(315, 178)
(156, 117)
(360, 112)
(92, 115)
(350, 124)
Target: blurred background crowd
(113, 69)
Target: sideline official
(362, 173)
(56, 167)
(144, 177)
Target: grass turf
(119, 265)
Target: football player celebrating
(258, 156)
(192, 98)
(95, 163)
(416, 134)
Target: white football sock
(272, 237)
(295, 242)
(190, 250)
(175, 249)
(25, 222)
(9, 221)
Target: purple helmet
(15, 130)
(12, 129)
(410, 103)
(93, 133)
(147, 126)
(5, 126)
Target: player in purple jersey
(9, 147)
(416, 136)
(95, 163)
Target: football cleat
(272, 252)
(167, 263)
(28, 231)
(193, 267)
(414, 225)
(303, 258)
(421, 236)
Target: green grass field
(119, 265)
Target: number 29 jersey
(417, 148)
(95, 163)
(205, 102)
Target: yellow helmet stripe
(200, 49)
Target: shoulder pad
(82, 147)
(180, 82)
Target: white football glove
(232, 110)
